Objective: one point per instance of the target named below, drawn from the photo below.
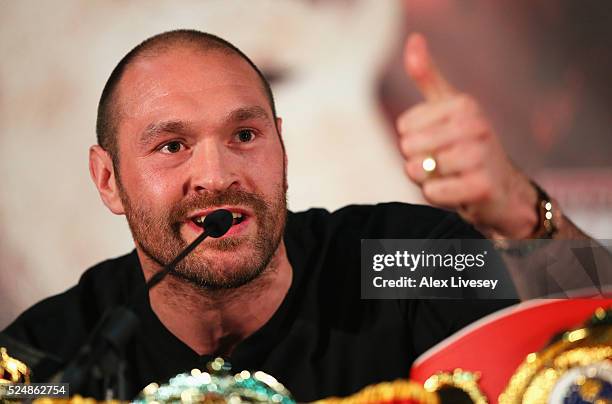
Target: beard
(158, 234)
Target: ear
(103, 175)
(279, 129)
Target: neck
(215, 321)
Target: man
(187, 125)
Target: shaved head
(109, 107)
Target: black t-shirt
(322, 341)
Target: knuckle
(481, 126)
(406, 147)
(412, 172)
(405, 122)
(478, 153)
(428, 192)
(400, 123)
(467, 103)
(476, 125)
(470, 125)
(414, 144)
(482, 186)
(482, 130)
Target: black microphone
(104, 349)
(215, 225)
(218, 223)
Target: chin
(221, 266)
(219, 278)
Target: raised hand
(453, 153)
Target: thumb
(422, 69)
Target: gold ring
(430, 165)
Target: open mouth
(236, 216)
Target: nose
(212, 168)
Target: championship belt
(574, 368)
(501, 358)
(12, 370)
(217, 386)
(397, 392)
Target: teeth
(200, 219)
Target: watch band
(546, 209)
(544, 230)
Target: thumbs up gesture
(452, 152)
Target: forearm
(571, 264)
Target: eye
(172, 147)
(245, 135)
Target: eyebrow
(155, 129)
(247, 113)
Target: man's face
(196, 133)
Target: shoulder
(386, 220)
(57, 322)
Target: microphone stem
(160, 275)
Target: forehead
(185, 80)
